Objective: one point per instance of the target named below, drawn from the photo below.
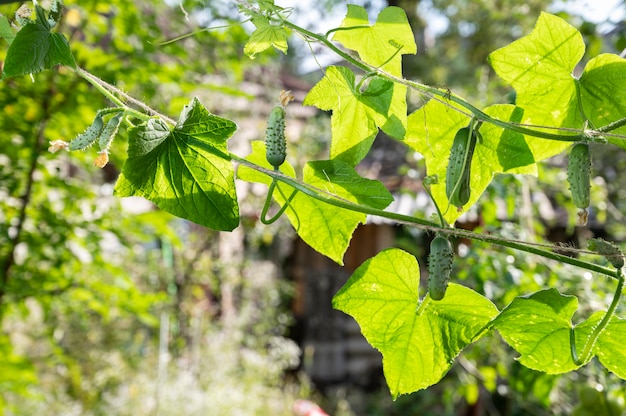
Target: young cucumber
(439, 267)
(275, 142)
(89, 136)
(459, 166)
(579, 178)
(109, 131)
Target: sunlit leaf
(381, 44)
(602, 102)
(265, 36)
(540, 67)
(418, 340)
(184, 171)
(356, 114)
(539, 326)
(35, 49)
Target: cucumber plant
(194, 148)
(276, 153)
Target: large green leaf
(603, 92)
(539, 66)
(538, 327)
(610, 346)
(35, 49)
(356, 114)
(418, 340)
(382, 44)
(184, 171)
(431, 131)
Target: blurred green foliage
(85, 281)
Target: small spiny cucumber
(439, 267)
(275, 142)
(459, 167)
(109, 131)
(89, 136)
(579, 179)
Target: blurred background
(111, 307)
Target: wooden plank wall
(333, 347)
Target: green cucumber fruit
(275, 142)
(439, 267)
(458, 171)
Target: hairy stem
(110, 91)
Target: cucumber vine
(185, 168)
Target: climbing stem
(442, 93)
(444, 223)
(591, 341)
(331, 199)
(111, 92)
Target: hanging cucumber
(275, 142)
(579, 178)
(439, 267)
(459, 167)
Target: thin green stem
(268, 201)
(112, 93)
(591, 341)
(195, 32)
(331, 199)
(433, 91)
(339, 29)
(444, 223)
(96, 82)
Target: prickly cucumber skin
(458, 171)
(275, 142)
(579, 178)
(109, 131)
(439, 267)
(89, 136)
